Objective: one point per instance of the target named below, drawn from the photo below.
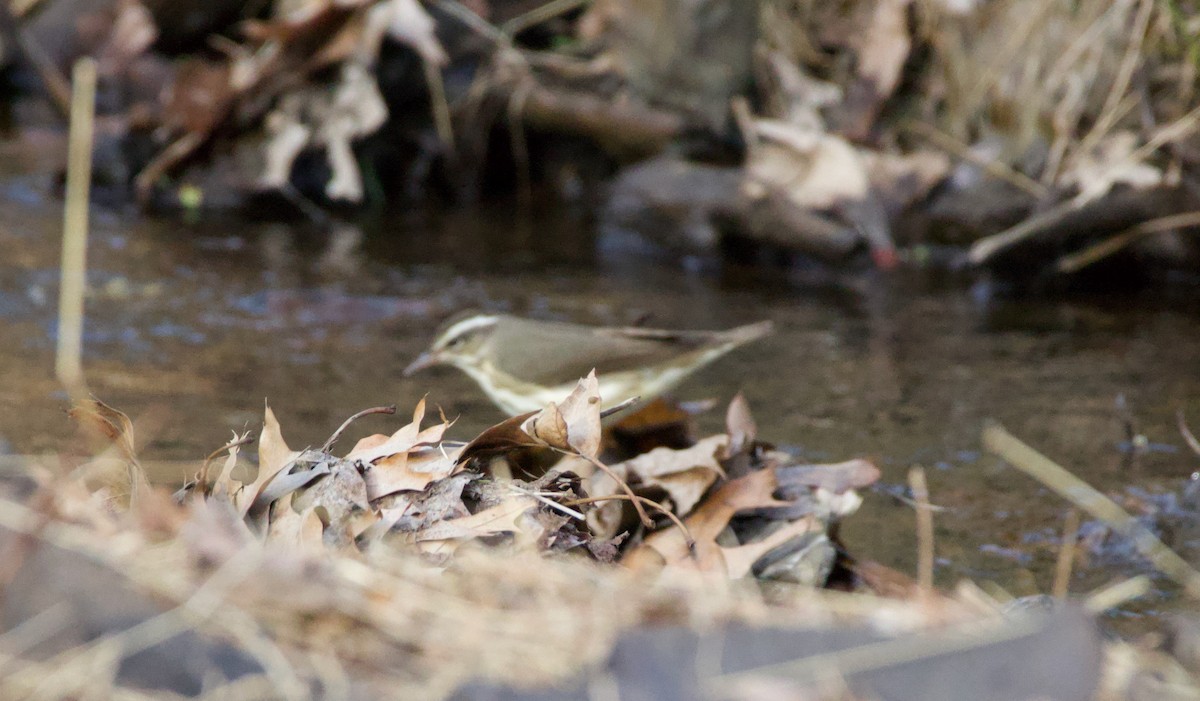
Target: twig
(68, 364)
(920, 490)
(238, 441)
(1019, 455)
(1120, 83)
(168, 158)
(604, 414)
(1066, 557)
(537, 15)
(986, 247)
(53, 79)
(1099, 251)
(620, 483)
(390, 409)
(1114, 595)
(466, 16)
(1188, 436)
(548, 502)
(687, 535)
(995, 168)
(520, 149)
(438, 104)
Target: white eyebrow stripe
(467, 325)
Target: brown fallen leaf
(882, 53)
(669, 546)
(412, 471)
(371, 448)
(738, 561)
(273, 456)
(502, 438)
(340, 499)
(685, 475)
(111, 427)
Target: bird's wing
(549, 353)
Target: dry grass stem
(1019, 455)
(68, 364)
(925, 549)
(1066, 556)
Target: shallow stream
(190, 326)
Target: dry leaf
(834, 477)
(738, 561)
(225, 485)
(409, 471)
(572, 424)
(409, 436)
(294, 529)
(669, 546)
(440, 501)
(501, 518)
(502, 438)
(813, 169)
(273, 456)
(740, 425)
(1107, 165)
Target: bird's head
(462, 342)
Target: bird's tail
(750, 332)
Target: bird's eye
(455, 342)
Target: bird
(524, 364)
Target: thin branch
(620, 483)
(540, 14)
(1188, 436)
(390, 409)
(1117, 242)
(687, 535)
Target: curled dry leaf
(499, 439)
(340, 499)
(573, 424)
(882, 54)
(835, 477)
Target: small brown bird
(523, 364)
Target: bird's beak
(424, 360)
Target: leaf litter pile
(414, 566)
